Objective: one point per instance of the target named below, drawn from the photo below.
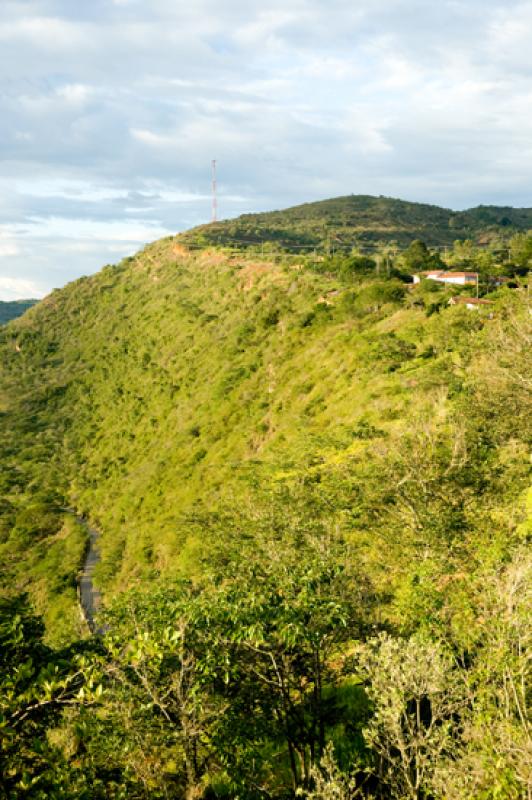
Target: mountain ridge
(363, 220)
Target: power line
(222, 240)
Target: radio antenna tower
(214, 193)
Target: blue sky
(111, 111)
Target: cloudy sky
(111, 111)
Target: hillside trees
(241, 686)
(464, 255)
(363, 219)
(349, 268)
(211, 680)
(303, 608)
(521, 250)
(163, 679)
(417, 258)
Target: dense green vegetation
(11, 309)
(312, 482)
(365, 221)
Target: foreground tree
(231, 683)
(36, 685)
(416, 696)
(291, 614)
(492, 755)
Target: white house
(429, 275)
(454, 278)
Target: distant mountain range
(365, 220)
(11, 309)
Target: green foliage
(349, 268)
(417, 258)
(521, 250)
(342, 223)
(311, 492)
(378, 294)
(35, 683)
(417, 695)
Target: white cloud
(19, 289)
(508, 35)
(330, 67)
(67, 189)
(44, 32)
(8, 245)
(152, 139)
(366, 136)
(138, 232)
(112, 111)
(264, 29)
(75, 94)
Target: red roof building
(469, 302)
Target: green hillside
(364, 221)
(312, 483)
(177, 379)
(12, 309)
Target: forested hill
(179, 379)
(11, 309)
(311, 480)
(366, 220)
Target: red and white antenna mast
(214, 193)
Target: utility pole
(214, 193)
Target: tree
(35, 684)
(288, 612)
(330, 783)
(492, 756)
(417, 257)
(521, 250)
(356, 264)
(416, 695)
(163, 679)
(204, 682)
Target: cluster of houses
(460, 279)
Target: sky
(112, 110)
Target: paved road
(90, 596)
